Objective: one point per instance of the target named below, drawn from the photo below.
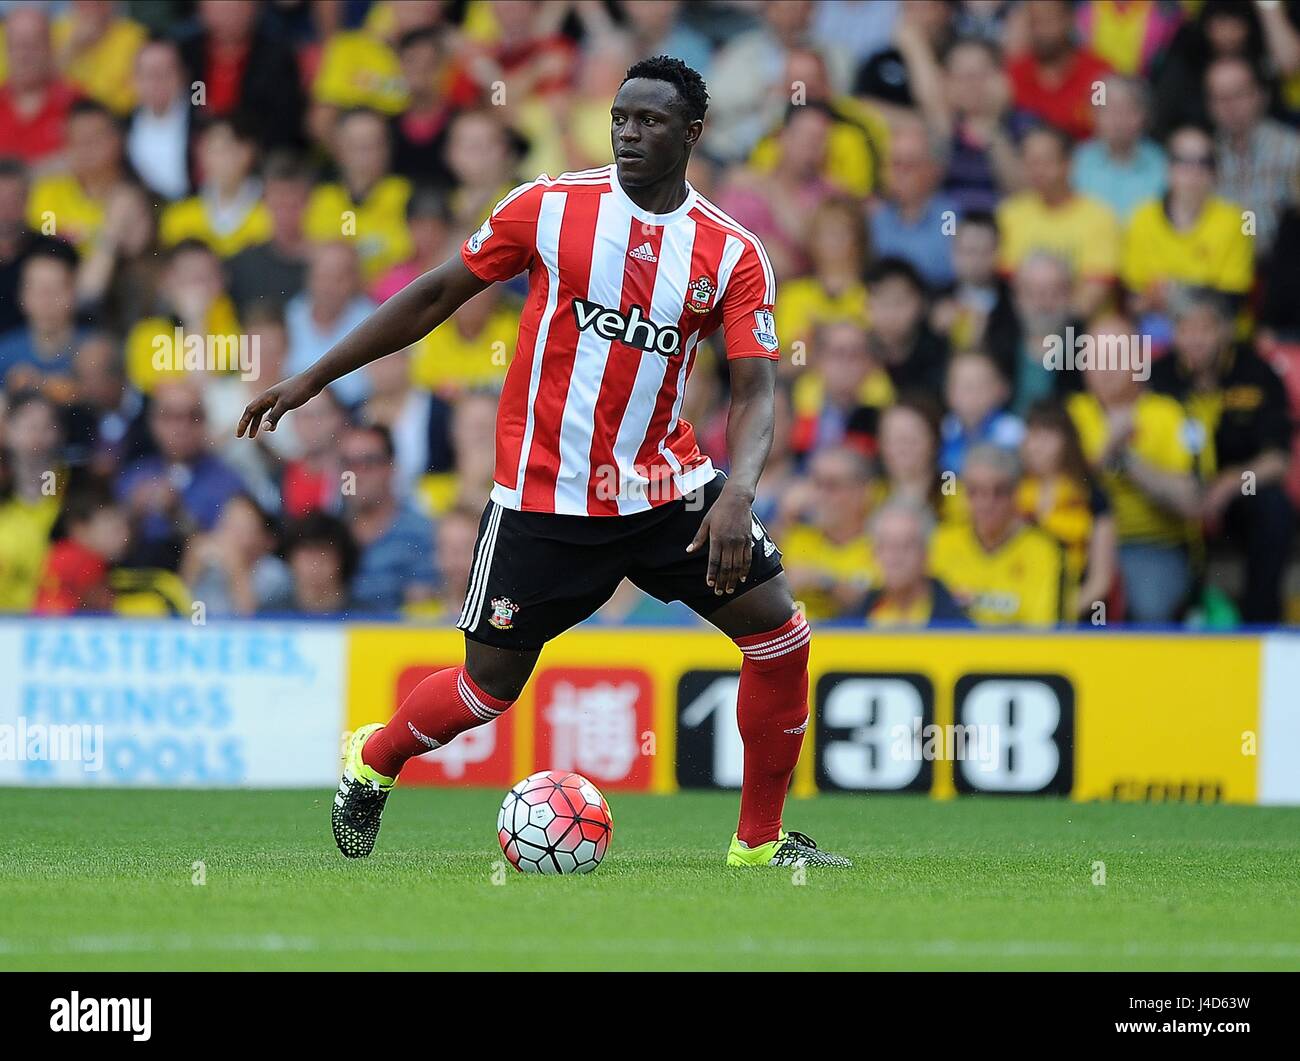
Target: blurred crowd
(949, 193)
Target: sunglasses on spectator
(1204, 161)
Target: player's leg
(772, 699)
(449, 702)
(772, 715)
(440, 708)
(532, 578)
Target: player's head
(657, 118)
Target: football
(554, 822)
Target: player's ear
(693, 132)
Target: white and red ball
(555, 821)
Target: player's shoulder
(599, 179)
(526, 196)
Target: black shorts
(535, 574)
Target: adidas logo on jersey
(634, 329)
(643, 253)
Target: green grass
(103, 880)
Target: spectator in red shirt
(313, 483)
(76, 574)
(1054, 80)
(246, 70)
(532, 56)
(34, 101)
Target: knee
(502, 673)
(499, 681)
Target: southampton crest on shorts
(702, 290)
(503, 613)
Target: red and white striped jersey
(618, 301)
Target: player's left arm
(727, 525)
(752, 350)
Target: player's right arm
(502, 247)
(405, 318)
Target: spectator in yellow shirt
(71, 205)
(95, 47)
(858, 140)
(1137, 442)
(1191, 237)
(194, 300)
(31, 485)
(1059, 495)
(1004, 571)
(827, 554)
(228, 213)
(835, 290)
(1049, 216)
(908, 596)
(473, 349)
(468, 480)
(357, 69)
(838, 397)
(366, 206)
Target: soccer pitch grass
(105, 880)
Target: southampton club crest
(702, 290)
(503, 613)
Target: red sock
(772, 712)
(442, 706)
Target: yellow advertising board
(1092, 715)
